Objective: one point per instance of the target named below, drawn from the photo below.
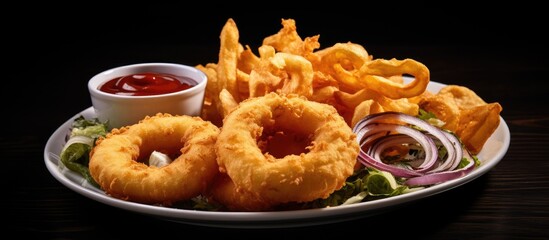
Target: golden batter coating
(318, 171)
(117, 162)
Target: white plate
(493, 151)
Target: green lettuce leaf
(75, 153)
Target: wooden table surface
(499, 60)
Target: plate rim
(287, 218)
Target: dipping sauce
(145, 84)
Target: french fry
(228, 58)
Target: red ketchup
(145, 84)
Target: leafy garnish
(75, 153)
(425, 115)
(365, 184)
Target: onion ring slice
(324, 168)
(117, 161)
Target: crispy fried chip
(463, 96)
(476, 125)
(464, 113)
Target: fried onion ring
(116, 162)
(233, 198)
(316, 173)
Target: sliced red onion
(450, 164)
(367, 160)
(377, 132)
(439, 177)
(425, 141)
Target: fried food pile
(344, 75)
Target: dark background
(499, 51)
(60, 48)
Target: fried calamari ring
(316, 173)
(116, 162)
(373, 74)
